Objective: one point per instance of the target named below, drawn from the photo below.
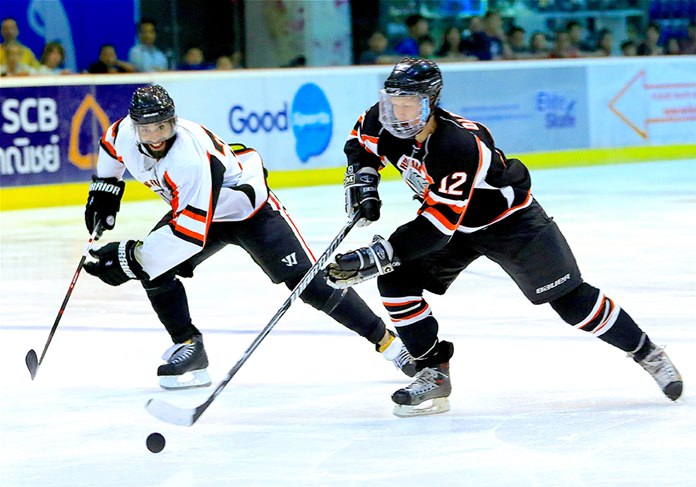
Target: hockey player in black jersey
(218, 196)
(475, 202)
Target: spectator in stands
(489, 43)
(577, 38)
(688, 45)
(604, 43)
(517, 42)
(109, 63)
(194, 60)
(539, 46)
(52, 59)
(672, 46)
(628, 48)
(426, 47)
(563, 46)
(452, 46)
(651, 45)
(144, 55)
(417, 27)
(234, 61)
(13, 65)
(497, 43)
(474, 39)
(10, 32)
(377, 51)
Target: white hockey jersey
(200, 177)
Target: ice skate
(428, 394)
(186, 366)
(661, 368)
(395, 351)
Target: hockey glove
(362, 198)
(116, 263)
(103, 203)
(362, 264)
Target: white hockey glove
(362, 264)
(362, 198)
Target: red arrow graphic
(640, 103)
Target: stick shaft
(85, 253)
(299, 288)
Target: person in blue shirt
(144, 55)
(417, 27)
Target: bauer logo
(312, 121)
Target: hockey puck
(155, 442)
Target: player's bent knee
(576, 305)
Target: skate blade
(431, 406)
(189, 380)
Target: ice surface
(535, 402)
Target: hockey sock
(588, 309)
(346, 307)
(413, 319)
(171, 305)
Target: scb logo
(310, 117)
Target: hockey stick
(32, 362)
(187, 417)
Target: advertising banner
(297, 121)
(50, 134)
(526, 111)
(647, 104)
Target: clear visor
(155, 134)
(403, 114)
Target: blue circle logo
(312, 121)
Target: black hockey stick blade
(32, 363)
(171, 414)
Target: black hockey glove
(103, 203)
(116, 263)
(362, 264)
(362, 198)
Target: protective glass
(403, 114)
(154, 134)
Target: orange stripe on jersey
(175, 194)
(433, 202)
(110, 149)
(195, 216)
(190, 233)
(514, 208)
(442, 219)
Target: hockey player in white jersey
(218, 196)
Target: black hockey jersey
(463, 180)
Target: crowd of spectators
(144, 56)
(482, 38)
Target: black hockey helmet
(416, 75)
(151, 104)
(410, 93)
